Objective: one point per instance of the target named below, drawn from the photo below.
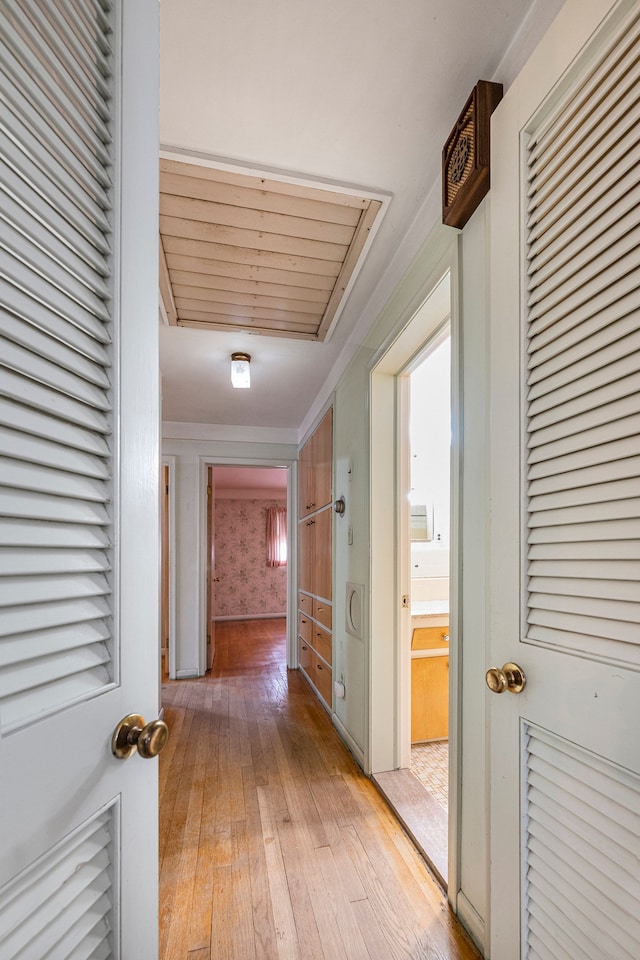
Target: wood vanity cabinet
(315, 530)
(430, 683)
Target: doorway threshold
(422, 817)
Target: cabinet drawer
(322, 677)
(321, 642)
(305, 627)
(322, 611)
(430, 638)
(305, 603)
(305, 656)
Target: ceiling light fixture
(240, 372)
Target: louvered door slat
(28, 619)
(37, 589)
(32, 284)
(607, 569)
(51, 373)
(589, 422)
(566, 341)
(44, 534)
(606, 492)
(591, 217)
(583, 587)
(44, 398)
(42, 643)
(614, 509)
(66, 346)
(87, 93)
(24, 446)
(40, 424)
(617, 60)
(18, 245)
(16, 561)
(90, 661)
(61, 897)
(31, 476)
(579, 433)
(52, 95)
(49, 507)
(25, 128)
(603, 126)
(624, 387)
(95, 67)
(55, 352)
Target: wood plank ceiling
(241, 252)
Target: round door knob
(509, 677)
(132, 734)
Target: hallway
(272, 842)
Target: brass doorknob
(510, 677)
(132, 734)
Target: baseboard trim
(471, 921)
(253, 616)
(350, 743)
(187, 674)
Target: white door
(565, 495)
(78, 476)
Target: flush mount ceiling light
(240, 372)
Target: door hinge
(208, 491)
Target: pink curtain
(276, 536)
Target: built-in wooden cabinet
(315, 468)
(430, 683)
(315, 527)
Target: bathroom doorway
(429, 472)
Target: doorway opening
(429, 539)
(414, 685)
(246, 567)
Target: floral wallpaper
(247, 586)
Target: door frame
(169, 461)
(389, 677)
(291, 467)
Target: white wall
(353, 659)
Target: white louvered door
(78, 476)
(565, 524)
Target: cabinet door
(306, 480)
(305, 555)
(321, 548)
(429, 698)
(323, 462)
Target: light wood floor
(273, 843)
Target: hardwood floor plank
(274, 845)
(286, 934)
(334, 894)
(263, 922)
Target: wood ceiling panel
(183, 277)
(206, 295)
(260, 200)
(246, 272)
(258, 258)
(245, 252)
